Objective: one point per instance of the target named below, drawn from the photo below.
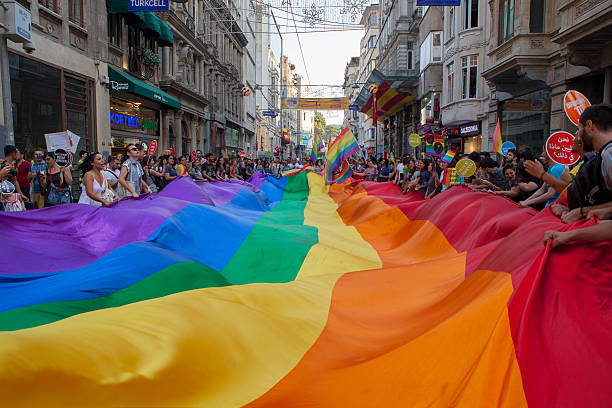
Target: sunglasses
(133, 149)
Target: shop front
(525, 120)
(133, 121)
(466, 137)
(49, 99)
(233, 138)
(135, 111)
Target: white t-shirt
(400, 168)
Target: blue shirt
(37, 168)
(555, 171)
(134, 174)
(384, 171)
(425, 176)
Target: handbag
(121, 190)
(57, 195)
(107, 194)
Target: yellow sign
(414, 140)
(466, 168)
(316, 103)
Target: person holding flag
(337, 168)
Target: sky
(326, 56)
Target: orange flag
(497, 139)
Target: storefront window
(38, 106)
(525, 120)
(132, 122)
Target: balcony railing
(142, 63)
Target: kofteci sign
(148, 5)
(559, 148)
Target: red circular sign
(559, 148)
(242, 155)
(574, 103)
(153, 148)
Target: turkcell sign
(148, 5)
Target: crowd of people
(532, 180)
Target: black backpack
(588, 187)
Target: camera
(29, 47)
(12, 170)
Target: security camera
(29, 47)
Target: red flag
(374, 111)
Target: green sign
(414, 140)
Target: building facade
(536, 54)
(351, 89)
(465, 93)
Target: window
(537, 15)
(50, 4)
(114, 29)
(372, 65)
(372, 41)
(75, 10)
(410, 47)
(450, 82)
(451, 22)
(431, 50)
(373, 18)
(506, 20)
(469, 76)
(470, 14)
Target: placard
(62, 141)
(193, 155)
(574, 103)
(414, 140)
(559, 148)
(465, 168)
(506, 146)
(152, 148)
(434, 145)
(62, 158)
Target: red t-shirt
(22, 175)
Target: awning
(124, 83)
(121, 7)
(151, 26)
(389, 99)
(165, 38)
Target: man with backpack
(591, 189)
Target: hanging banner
(316, 103)
(574, 103)
(438, 2)
(559, 148)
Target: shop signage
(354, 107)
(242, 155)
(153, 147)
(465, 168)
(138, 122)
(506, 146)
(414, 140)
(118, 86)
(470, 130)
(270, 113)
(148, 5)
(559, 148)
(451, 133)
(574, 103)
(62, 158)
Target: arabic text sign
(316, 103)
(559, 148)
(148, 5)
(574, 103)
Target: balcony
(143, 63)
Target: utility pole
(7, 104)
(281, 83)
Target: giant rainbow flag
(286, 293)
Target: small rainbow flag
(296, 171)
(450, 155)
(343, 147)
(344, 173)
(451, 177)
